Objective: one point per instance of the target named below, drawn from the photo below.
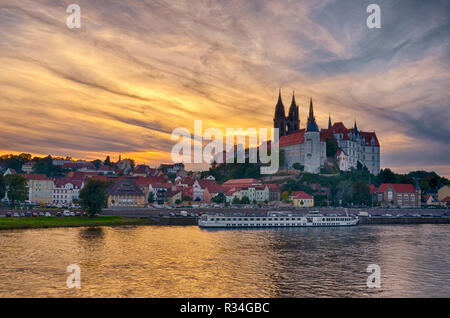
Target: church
(307, 147)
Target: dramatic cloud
(138, 69)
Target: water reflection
(192, 262)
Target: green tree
(107, 161)
(245, 200)
(236, 200)
(219, 198)
(187, 198)
(285, 196)
(93, 196)
(332, 147)
(2, 187)
(361, 193)
(97, 163)
(387, 176)
(344, 191)
(178, 201)
(151, 197)
(16, 186)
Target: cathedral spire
(279, 119)
(355, 129)
(329, 121)
(312, 125)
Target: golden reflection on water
(154, 261)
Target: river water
(164, 261)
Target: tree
(93, 196)
(187, 198)
(236, 200)
(107, 161)
(285, 196)
(332, 147)
(178, 201)
(387, 176)
(298, 166)
(219, 198)
(245, 200)
(151, 197)
(361, 193)
(16, 186)
(344, 192)
(97, 163)
(2, 187)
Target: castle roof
(297, 137)
(279, 108)
(312, 125)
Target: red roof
(398, 187)
(211, 185)
(301, 195)
(372, 188)
(35, 176)
(244, 181)
(60, 182)
(446, 199)
(273, 187)
(295, 138)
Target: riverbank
(53, 222)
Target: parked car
(47, 214)
(28, 214)
(66, 213)
(22, 214)
(34, 214)
(41, 214)
(16, 215)
(58, 213)
(8, 214)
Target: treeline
(353, 186)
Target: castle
(307, 147)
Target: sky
(136, 70)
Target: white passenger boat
(275, 219)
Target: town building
(398, 195)
(301, 199)
(443, 192)
(125, 194)
(40, 188)
(66, 191)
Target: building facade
(307, 147)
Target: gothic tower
(293, 121)
(312, 143)
(279, 121)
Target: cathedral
(307, 147)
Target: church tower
(293, 121)
(279, 121)
(312, 143)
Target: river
(186, 261)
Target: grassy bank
(48, 222)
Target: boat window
(251, 219)
(264, 219)
(275, 219)
(281, 219)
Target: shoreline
(14, 223)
